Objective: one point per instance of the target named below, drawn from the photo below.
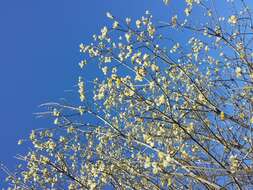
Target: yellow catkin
(222, 116)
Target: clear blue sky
(39, 54)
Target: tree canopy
(170, 108)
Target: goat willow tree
(172, 110)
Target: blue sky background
(39, 55)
